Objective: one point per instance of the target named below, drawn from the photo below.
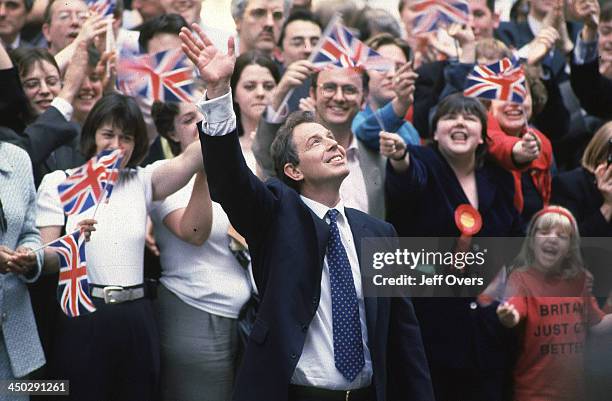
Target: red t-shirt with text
(555, 315)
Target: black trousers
(109, 355)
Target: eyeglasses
(329, 89)
(3, 224)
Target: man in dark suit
(316, 336)
(13, 14)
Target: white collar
(321, 210)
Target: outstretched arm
(245, 199)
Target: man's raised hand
(215, 68)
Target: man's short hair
(283, 148)
(298, 15)
(238, 7)
(165, 23)
(372, 21)
(47, 13)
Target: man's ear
(495, 20)
(238, 23)
(313, 93)
(45, 31)
(293, 172)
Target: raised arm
(245, 199)
(193, 223)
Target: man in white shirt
(316, 337)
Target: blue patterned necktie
(348, 346)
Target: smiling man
(316, 334)
(259, 22)
(62, 23)
(338, 95)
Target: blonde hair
(546, 219)
(596, 151)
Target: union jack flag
(433, 14)
(340, 48)
(86, 186)
(73, 287)
(106, 7)
(165, 76)
(503, 80)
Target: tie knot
(333, 215)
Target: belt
(297, 393)
(115, 294)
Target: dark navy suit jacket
(287, 242)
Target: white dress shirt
(316, 367)
(353, 189)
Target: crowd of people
(227, 264)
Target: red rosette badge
(469, 223)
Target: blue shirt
(366, 126)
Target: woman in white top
(113, 353)
(203, 284)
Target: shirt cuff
(272, 116)
(585, 52)
(63, 107)
(219, 117)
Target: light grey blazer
(19, 334)
(372, 165)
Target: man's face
(12, 18)
(322, 160)
(260, 25)
(300, 39)
(188, 9)
(148, 9)
(482, 20)
(338, 96)
(67, 17)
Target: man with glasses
(338, 95)
(62, 23)
(258, 23)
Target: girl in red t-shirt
(550, 302)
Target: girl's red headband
(555, 209)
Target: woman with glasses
(253, 82)
(20, 348)
(39, 106)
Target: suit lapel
(360, 231)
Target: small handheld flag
(86, 186)
(433, 14)
(164, 76)
(73, 287)
(503, 80)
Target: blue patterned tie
(348, 346)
